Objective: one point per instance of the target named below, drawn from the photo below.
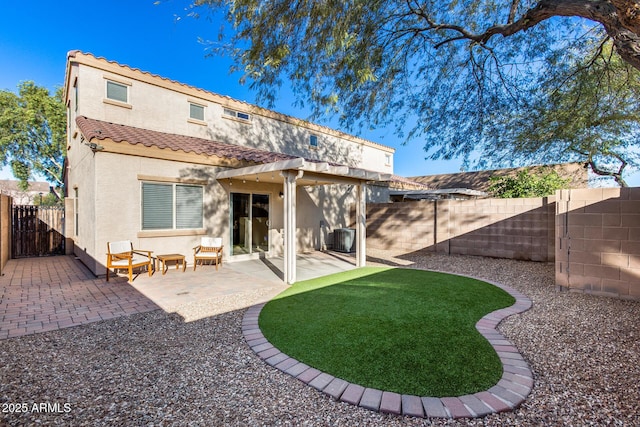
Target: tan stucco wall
(81, 180)
(109, 184)
(153, 106)
(117, 210)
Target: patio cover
(303, 172)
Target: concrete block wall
(598, 241)
(501, 228)
(401, 227)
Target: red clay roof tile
(98, 129)
(101, 130)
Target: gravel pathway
(155, 369)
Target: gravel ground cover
(156, 369)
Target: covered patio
(300, 172)
(236, 285)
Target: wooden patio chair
(122, 256)
(209, 249)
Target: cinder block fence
(501, 228)
(598, 241)
(592, 235)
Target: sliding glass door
(249, 223)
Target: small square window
(196, 112)
(313, 140)
(387, 159)
(117, 92)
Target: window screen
(313, 140)
(171, 206)
(117, 91)
(157, 206)
(188, 206)
(196, 112)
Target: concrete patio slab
(237, 284)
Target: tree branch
(513, 11)
(617, 176)
(620, 19)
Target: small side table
(179, 259)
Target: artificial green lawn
(401, 330)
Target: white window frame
(76, 216)
(238, 115)
(174, 206)
(75, 94)
(202, 107)
(387, 159)
(113, 82)
(313, 137)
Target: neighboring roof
(98, 129)
(34, 186)
(406, 183)
(84, 57)
(480, 180)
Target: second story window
(117, 92)
(313, 141)
(196, 111)
(237, 114)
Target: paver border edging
(512, 389)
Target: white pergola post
(361, 225)
(290, 244)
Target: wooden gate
(37, 231)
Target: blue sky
(35, 37)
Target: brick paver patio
(48, 293)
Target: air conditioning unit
(344, 239)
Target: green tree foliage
(33, 133)
(453, 75)
(49, 199)
(525, 184)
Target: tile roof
(98, 129)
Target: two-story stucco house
(162, 164)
